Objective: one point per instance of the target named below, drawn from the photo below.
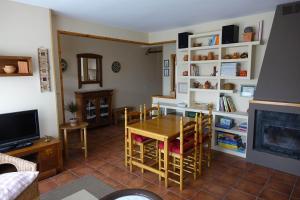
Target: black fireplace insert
(277, 133)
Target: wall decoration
(44, 69)
(182, 87)
(247, 90)
(63, 64)
(116, 66)
(166, 69)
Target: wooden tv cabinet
(47, 155)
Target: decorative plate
(63, 64)
(116, 66)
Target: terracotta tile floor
(229, 177)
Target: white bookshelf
(200, 95)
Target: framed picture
(182, 87)
(166, 72)
(247, 90)
(166, 63)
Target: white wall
(168, 49)
(139, 78)
(24, 29)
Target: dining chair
(205, 137)
(143, 144)
(182, 152)
(152, 112)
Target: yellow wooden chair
(182, 152)
(205, 137)
(152, 112)
(143, 143)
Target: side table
(83, 135)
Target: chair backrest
(148, 113)
(188, 130)
(205, 124)
(133, 116)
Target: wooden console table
(47, 155)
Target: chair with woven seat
(31, 191)
(140, 141)
(183, 152)
(205, 137)
(152, 112)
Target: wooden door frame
(99, 37)
(173, 74)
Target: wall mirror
(89, 69)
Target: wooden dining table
(164, 129)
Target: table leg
(166, 161)
(85, 142)
(81, 136)
(66, 142)
(130, 149)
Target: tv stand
(47, 155)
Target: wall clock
(116, 66)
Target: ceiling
(155, 15)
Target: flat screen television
(18, 129)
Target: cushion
(139, 138)
(14, 183)
(174, 146)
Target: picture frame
(247, 90)
(182, 87)
(166, 63)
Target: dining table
(163, 129)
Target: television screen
(19, 127)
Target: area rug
(84, 188)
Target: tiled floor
(228, 178)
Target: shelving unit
(13, 60)
(203, 72)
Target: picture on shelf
(182, 88)
(247, 90)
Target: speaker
(230, 34)
(183, 40)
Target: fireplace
(274, 135)
(277, 133)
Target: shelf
(241, 115)
(232, 152)
(15, 74)
(227, 91)
(182, 50)
(240, 44)
(104, 106)
(183, 76)
(234, 60)
(203, 90)
(182, 63)
(235, 77)
(233, 130)
(204, 61)
(205, 47)
(14, 61)
(204, 77)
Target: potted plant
(72, 108)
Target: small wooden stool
(82, 126)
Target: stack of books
(230, 141)
(243, 126)
(229, 69)
(226, 104)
